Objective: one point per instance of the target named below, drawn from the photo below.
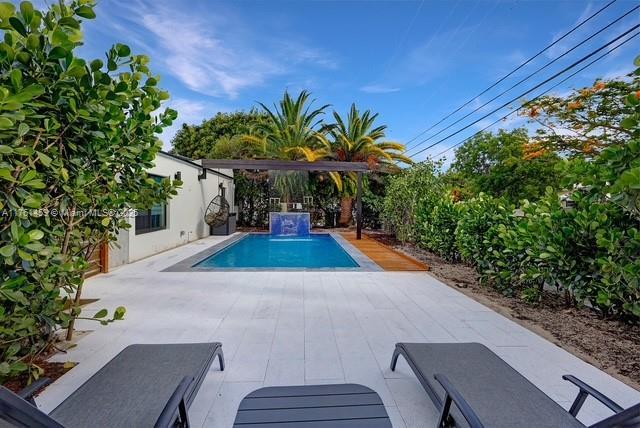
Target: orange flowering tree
(583, 123)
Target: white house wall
(185, 212)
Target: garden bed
(52, 370)
(610, 345)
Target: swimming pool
(263, 251)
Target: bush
(497, 265)
(410, 197)
(76, 138)
(590, 253)
(373, 203)
(439, 229)
(477, 216)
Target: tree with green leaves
(218, 137)
(75, 140)
(586, 121)
(358, 139)
(505, 164)
(291, 131)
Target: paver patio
(286, 328)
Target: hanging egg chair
(217, 212)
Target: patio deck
(385, 257)
(287, 328)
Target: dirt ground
(610, 345)
(52, 370)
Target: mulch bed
(610, 345)
(52, 370)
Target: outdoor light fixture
(203, 174)
(178, 176)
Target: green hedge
(590, 253)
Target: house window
(152, 219)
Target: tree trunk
(346, 214)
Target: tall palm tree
(291, 131)
(358, 140)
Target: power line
(403, 39)
(511, 73)
(564, 70)
(537, 97)
(530, 75)
(458, 48)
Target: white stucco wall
(185, 212)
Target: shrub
(439, 229)
(410, 197)
(76, 139)
(373, 202)
(498, 264)
(477, 216)
(589, 252)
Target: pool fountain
(289, 224)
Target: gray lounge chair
(144, 385)
(488, 392)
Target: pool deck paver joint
(310, 327)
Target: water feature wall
(289, 224)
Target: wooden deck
(385, 257)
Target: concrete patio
(286, 328)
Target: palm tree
(358, 140)
(291, 131)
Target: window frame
(147, 212)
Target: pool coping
(189, 264)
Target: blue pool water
(268, 251)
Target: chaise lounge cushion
(500, 396)
(133, 388)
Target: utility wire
(403, 39)
(459, 46)
(531, 75)
(537, 97)
(511, 73)
(564, 70)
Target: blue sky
(411, 61)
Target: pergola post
(359, 207)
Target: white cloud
(298, 53)
(215, 54)
(379, 89)
(189, 112)
(617, 73)
(201, 59)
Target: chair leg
(394, 358)
(444, 419)
(220, 358)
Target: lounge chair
(313, 406)
(144, 385)
(488, 392)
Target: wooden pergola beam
(284, 165)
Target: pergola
(283, 165)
